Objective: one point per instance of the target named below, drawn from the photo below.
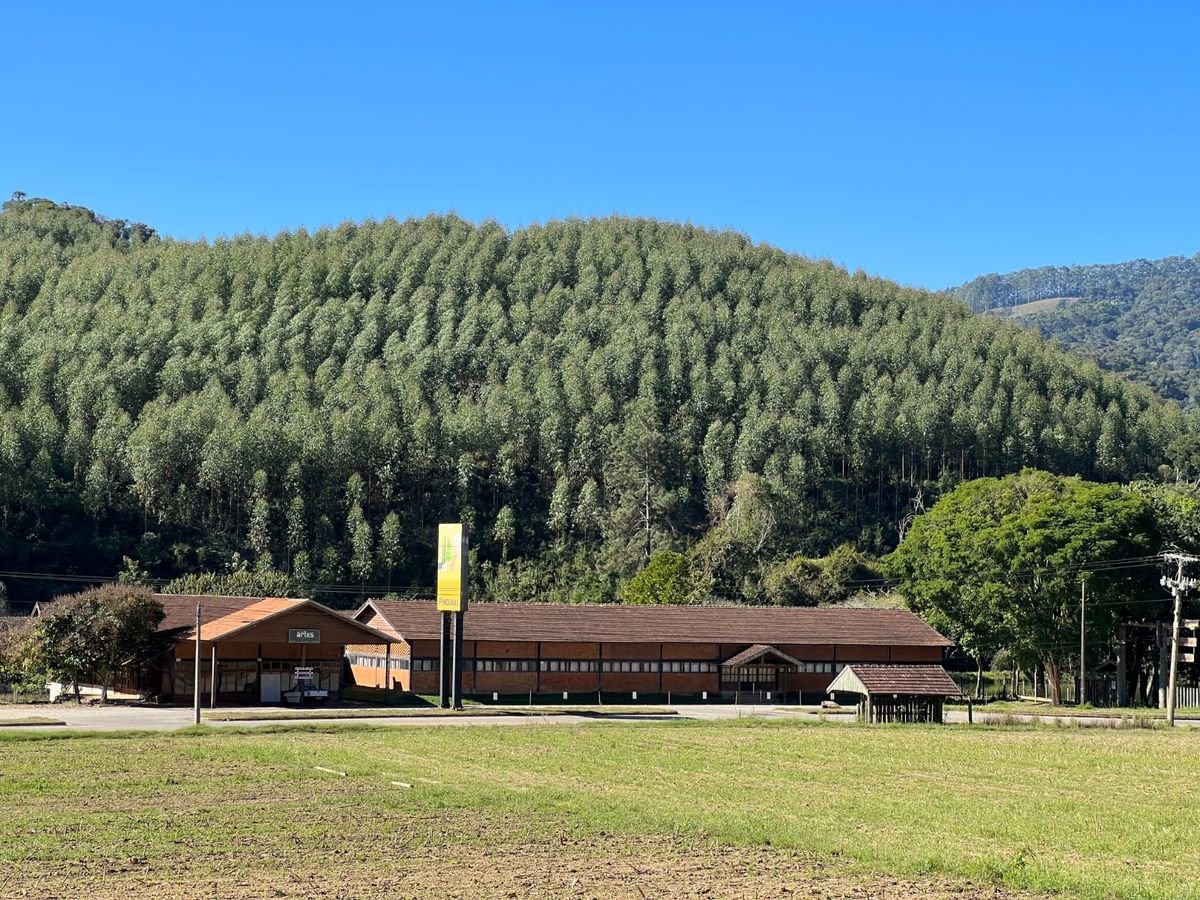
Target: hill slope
(1140, 318)
(583, 394)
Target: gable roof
(224, 617)
(758, 651)
(255, 614)
(418, 620)
(179, 610)
(872, 680)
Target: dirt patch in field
(581, 869)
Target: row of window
(373, 661)
(746, 673)
(569, 665)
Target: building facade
(253, 649)
(531, 648)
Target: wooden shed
(896, 693)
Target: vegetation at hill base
(584, 395)
(1138, 318)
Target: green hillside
(1140, 318)
(583, 394)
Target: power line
(160, 582)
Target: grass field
(738, 808)
(1030, 708)
(385, 712)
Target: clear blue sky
(926, 142)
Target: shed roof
(871, 680)
(418, 620)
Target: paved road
(119, 718)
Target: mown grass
(1093, 813)
(1030, 708)
(282, 715)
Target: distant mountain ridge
(1140, 318)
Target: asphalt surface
(117, 717)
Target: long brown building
(517, 648)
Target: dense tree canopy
(583, 395)
(1138, 318)
(997, 564)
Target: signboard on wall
(452, 568)
(304, 635)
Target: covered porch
(759, 670)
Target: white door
(271, 687)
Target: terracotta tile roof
(222, 617)
(905, 680)
(259, 611)
(180, 609)
(757, 651)
(418, 619)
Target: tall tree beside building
(997, 563)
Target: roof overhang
(936, 683)
(230, 626)
(757, 652)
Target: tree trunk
(979, 678)
(1053, 675)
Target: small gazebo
(896, 693)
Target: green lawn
(1094, 813)
(385, 712)
(1031, 708)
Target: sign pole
(196, 676)
(452, 578)
(444, 662)
(456, 681)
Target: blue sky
(925, 142)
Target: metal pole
(196, 677)
(387, 671)
(444, 664)
(1081, 691)
(456, 681)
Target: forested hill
(1140, 318)
(583, 394)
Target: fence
(1187, 696)
(1101, 691)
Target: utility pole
(196, 676)
(1081, 692)
(1178, 587)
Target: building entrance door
(271, 688)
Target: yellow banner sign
(452, 568)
